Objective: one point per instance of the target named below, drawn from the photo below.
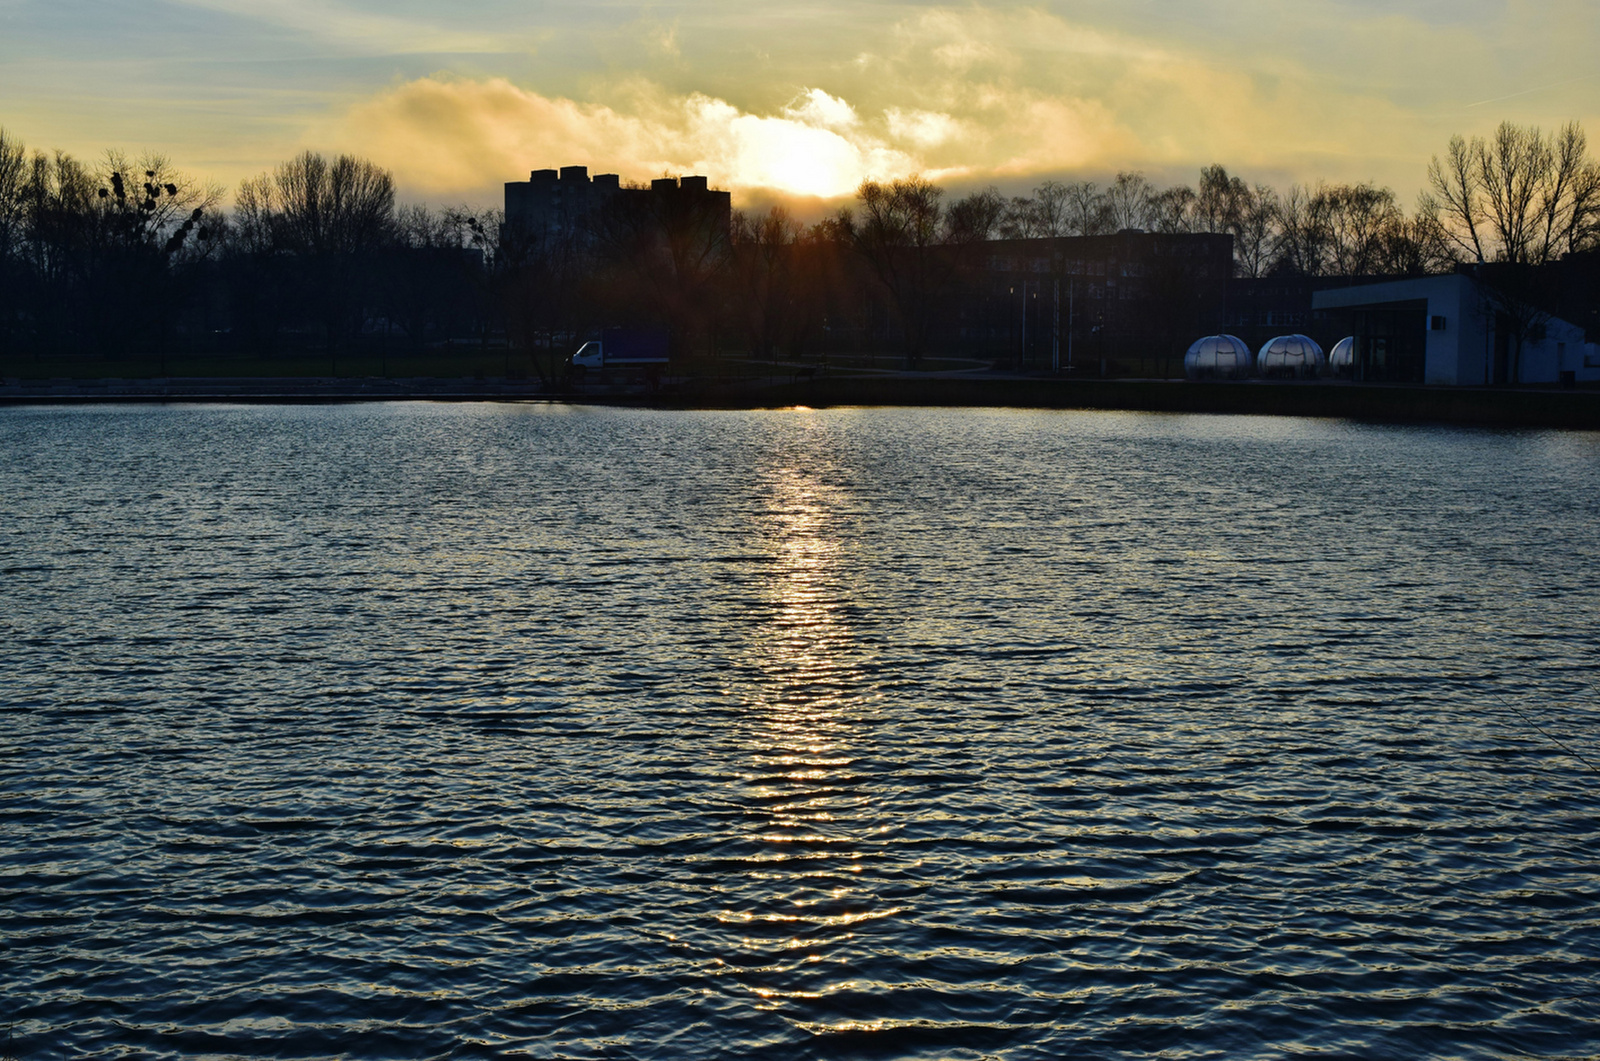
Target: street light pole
(1022, 351)
(1011, 325)
(1071, 287)
(1055, 331)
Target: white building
(1447, 330)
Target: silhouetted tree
(764, 274)
(1518, 199)
(912, 246)
(1255, 232)
(1221, 200)
(1519, 196)
(426, 275)
(1127, 202)
(545, 282)
(152, 227)
(1088, 213)
(1039, 217)
(13, 203)
(975, 217)
(1173, 210)
(332, 218)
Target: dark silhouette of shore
(1520, 407)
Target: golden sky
(803, 99)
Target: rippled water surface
(467, 731)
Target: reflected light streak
(805, 894)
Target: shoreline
(1521, 407)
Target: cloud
(457, 98)
(1019, 91)
(815, 107)
(925, 129)
(967, 95)
(444, 135)
(364, 33)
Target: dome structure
(1218, 357)
(1292, 356)
(1342, 358)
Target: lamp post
(1055, 331)
(1011, 322)
(1022, 349)
(1071, 288)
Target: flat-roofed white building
(1448, 330)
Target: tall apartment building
(559, 202)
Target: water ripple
(477, 731)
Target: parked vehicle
(635, 350)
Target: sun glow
(444, 132)
(817, 146)
(788, 157)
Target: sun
(795, 158)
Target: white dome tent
(1218, 357)
(1342, 358)
(1293, 356)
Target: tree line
(127, 254)
(1519, 195)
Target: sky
(799, 101)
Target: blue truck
(633, 350)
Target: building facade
(1071, 301)
(1455, 330)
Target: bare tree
(763, 258)
(1087, 210)
(1456, 199)
(1256, 231)
(1511, 168)
(1303, 232)
(151, 227)
(58, 199)
(13, 185)
(341, 207)
(912, 245)
(1220, 201)
(1357, 217)
(1569, 202)
(1515, 201)
(331, 216)
(1413, 246)
(13, 202)
(1051, 213)
(1047, 214)
(1127, 202)
(1020, 220)
(1519, 196)
(977, 217)
(1173, 210)
(147, 205)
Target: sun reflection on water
(812, 834)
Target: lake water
(463, 731)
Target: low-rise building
(1455, 330)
